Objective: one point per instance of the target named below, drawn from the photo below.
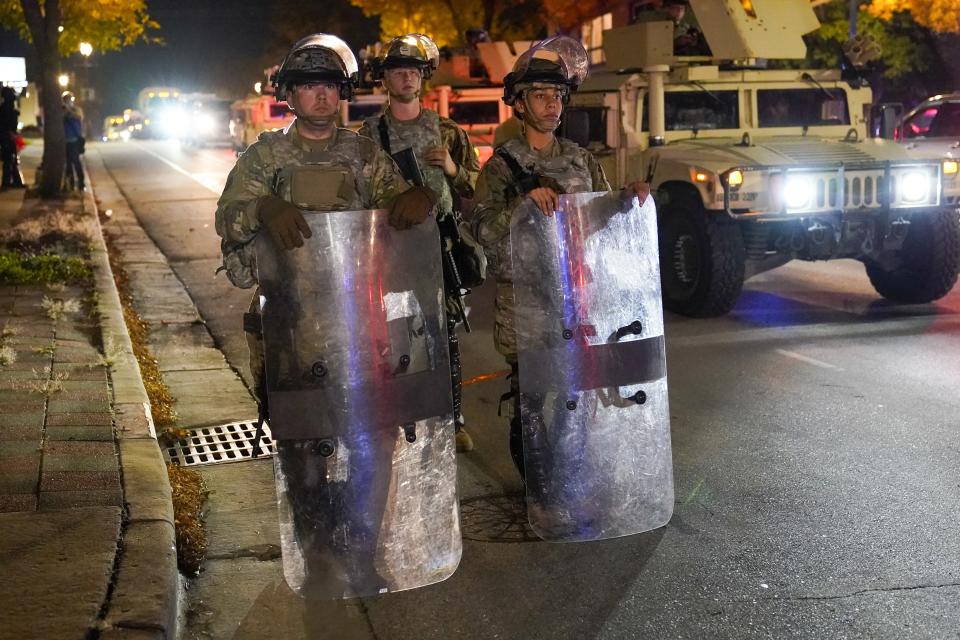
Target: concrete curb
(144, 598)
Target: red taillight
(896, 133)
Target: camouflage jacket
(376, 182)
(572, 166)
(430, 131)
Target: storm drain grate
(215, 445)
(496, 518)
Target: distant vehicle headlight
(205, 123)
(798, 191)
(914, 186)
(171, 122)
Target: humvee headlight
(950, 167)
(735, 178)
(798, 191)
(914, 186)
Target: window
(802, 107)
(597, 126)
(358, 111)
(481, 112)
(278, 110)
(940, 121)
(592, 36)
(947, 122)
(689, 110)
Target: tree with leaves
(294, 19)
(55, 28)
(446, 21)
(568, 15)
(911, 67)
(942, 16)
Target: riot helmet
(412, 50)
(317, 58)
(559, 62)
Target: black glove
(412, 207)
(284, 221)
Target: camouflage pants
(336, 514)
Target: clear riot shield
(593, 389)
(358, 386)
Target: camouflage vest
(333, 179)
(569, 168)
(420, 134)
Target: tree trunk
(456, 17)
(44, 31)
(489, 13)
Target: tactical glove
(412, 207)
(284, 221)
(638, 189)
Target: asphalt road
(815, 458)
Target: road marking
(808, 360)
(212, 182)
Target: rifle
(449, 237)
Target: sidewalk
(87, 549)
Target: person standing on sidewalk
(537, 165)
(9, 122)
(447, 161)
(73, 134)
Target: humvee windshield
(687, 110)
(802, 107)
(596, 127)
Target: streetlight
(86, 49)
(64, 80)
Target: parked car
(932, 130)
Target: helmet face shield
(412, 50)
(320, 57)
(560, 61)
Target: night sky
(213, 46)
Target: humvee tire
(701, 259)
(926, 265)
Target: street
(814, 445)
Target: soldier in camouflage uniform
(540, 166)
(446, 157)
(311, 165)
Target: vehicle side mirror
(576, 126)
(884, 119)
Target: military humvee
(754, 167)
